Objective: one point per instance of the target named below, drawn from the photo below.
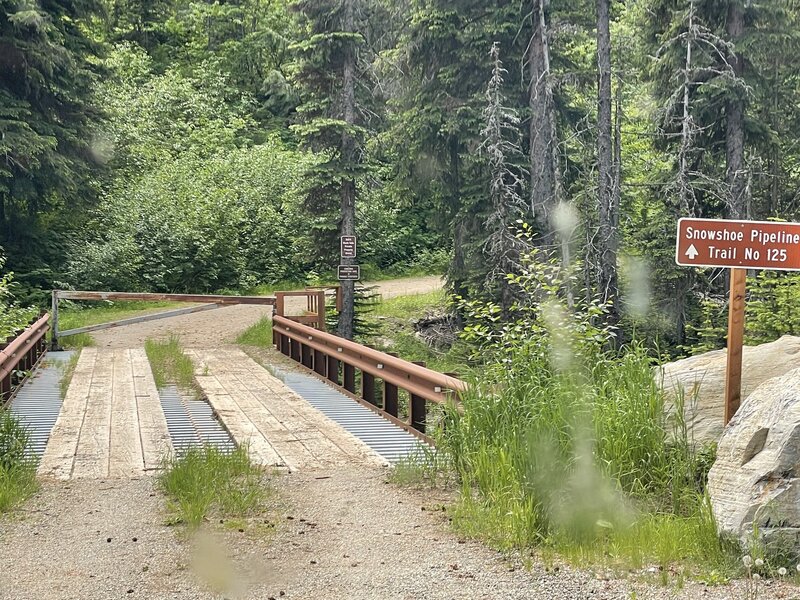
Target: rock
(756, 477)
(702, 379)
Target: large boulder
(755, 479)
(701, 380)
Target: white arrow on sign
(691, 252)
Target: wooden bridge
(326, 402)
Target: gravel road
(344, 534)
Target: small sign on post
(737, 245)
(348, 246)
(349, 272)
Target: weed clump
(208, 482)
(17, 467)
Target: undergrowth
(562, 445)
(17, 469)
(207, 482)
(169, 363)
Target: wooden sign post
(733, 370)
(737, 245)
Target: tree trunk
(543, 146)
(608, 235)
(348, 222)
(734, 134)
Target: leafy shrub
(12, 317)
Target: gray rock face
(702, 381)
(754, 480)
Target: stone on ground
(701, 379)
(754, 480)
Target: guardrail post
(349, 378)
(54, 320)
(305, 355)
(368, 387)
(294, 349)
(390, 395)
(333, 370)
(417, 409)
(320, 366)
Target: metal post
(333, 370)
(320, 368)
(349, 378)
(417, 409)
(733, 371)
(368, 387)
(305, 355)
(54, 320)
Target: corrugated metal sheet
(38, 401)
(191, 423)
(385, 438)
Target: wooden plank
(59, 454)
(244, 432)
(92, 454)
(156, 442)
(733, 371)
(125, 444)
(225, 370)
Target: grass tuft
(207, 482)
(259, 334)
(169, 363)
(17, 469)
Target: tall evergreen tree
(328, 73)
(48, 143)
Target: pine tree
(328, 60)
(502, 150)
(48, 140)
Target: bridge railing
(20, 353)
(337, 360)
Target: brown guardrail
(209, 298)
(332, 357)
(20, 353)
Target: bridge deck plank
(59, 454)
(156, 442)
(111, 423)
(249, 399)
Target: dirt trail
(215, 328)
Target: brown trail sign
(737, 245)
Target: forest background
(189, 146)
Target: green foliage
(48, 131)
(207, 482)
(200, 224)
(169, 363)
(771, 309)
(12, 316)
(17, 469)
(564, 445)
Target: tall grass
(17, 468)
(205, 482)
(169, 363)
(580, 460)
(259, 334)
